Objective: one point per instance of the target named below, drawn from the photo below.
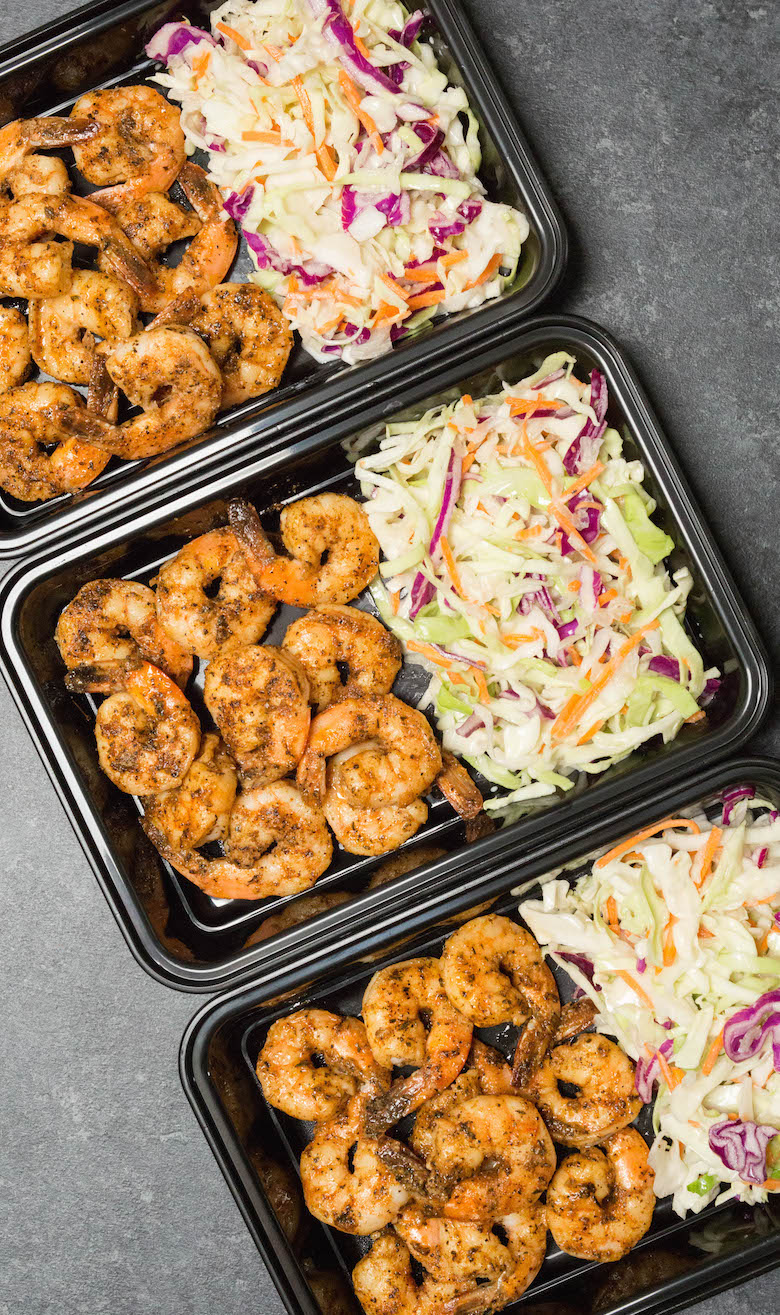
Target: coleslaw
(349, 162)
(675, 936)
(524, 572)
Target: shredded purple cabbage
(172, 38)
(648, 1071)
(269, 258)
(338, 30)
(452, 483)
(422, 593)
(711, 688)
(583, 451)
(732, 797)
(237, 204)
(664, 666)
(746, 1031)
(742, 1145)
(584, 964)
(470, 209)
(589, 527)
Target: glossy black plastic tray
(677, 1263)
(103, 45)
(191, 941)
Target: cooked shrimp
(400, 864)
(170, 374)
(488, 1271)
(329, 523)
(14, 348)
(147, 734)
(403, 766)
(32, 267)
(409, 1020)
(19, 139)
(197, 811)
(331, 637)
(601, 1201)
(487, 1074)
(112, 621)
(316, 1091)
(153, 222)
(300, 910)
(457, 786)
(494, 973)
(345, 1183)
(33, 417)
(277, 844)
(38, 173)
(259, 698)
(372, 831)
(210, 254)
(248, 337)
(606, 1099)
(498, 1148)
(384, 1283)
(576, 1016)
(63, 329)
(136, 142)
(204, 622)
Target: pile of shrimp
(209, 345)
(470, 1183)
(306, 742)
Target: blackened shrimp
(404, 764)
(314, 1061)
(601, 1201)
(371, 831)
(15, 357)
(604, 1099)
(112, 621)
(198, 811)
(154, 222)
(334, 553)
(409, 1020)
(22, 137)
(136, 142)
(38, 457)
(385, 1284)
(147, 734)
(346, 1183)
(248, 337)
(494, 973)
(259, 699)
(330, 638)
(210, 254)
(202, 621)
(64, 329)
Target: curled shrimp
(154, 222)
(15, 357)
(371, 831)
(405, 763)
(345, 1182)
(197, 812)
(114, 621)
(63, 329)
(385, 1285)
(494, 973)
(487, 1271)
(457, 786)
(605, 1099)
(330, 638)
(19, 139)
(33, 265)
(487, 1074)
(409, 1020)
(147, 734)
(313, 1062)
(601, 1201)
(209, 255)
(136, 142)
(170, 374)
(200, 620)
(38, 173)
(259, 699)
(248, 337)
(499, 1150)
(38, 458)
(298, 911)
(277, 843)
(327, 524)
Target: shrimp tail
(102, 393)
(532, 1046)
(181, 310)
(129, 265)
(99, 677)
(90, 426)
(245, 524)
(576, 1016)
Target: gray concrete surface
(655, 126)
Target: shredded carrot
(586, 478)
(763, 944)
(626, 845)
(606, 598)
(426, 299)
(639, 990)
(353, 96)
(484, 692)
(395, 599)
(767, 899)
(387, 312)
(708, 854)
(578, 704)
(574, 586)
(489, 269)
(672, 1075)
(696, 716)
(563, 515)
(514, 641)
(574, 655)
(394, 287)
(446, 550)
(231, 32)
(326, 161)
(428, 652)
(523, 406)
(771, 1184)
(623, 563)
(705, 935)
(591, 731)
(363, 48)
(712, 1054)
(420, 273)
(200, 63)
(670, 952)
(468, 461)
(326, 325)
(537, 461)
(268, 138)
(274, 52)
(612, 911)
(454, 258)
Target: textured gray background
(655, 125)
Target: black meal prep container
(188, 940)
(102, 45)
(257, 1148)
